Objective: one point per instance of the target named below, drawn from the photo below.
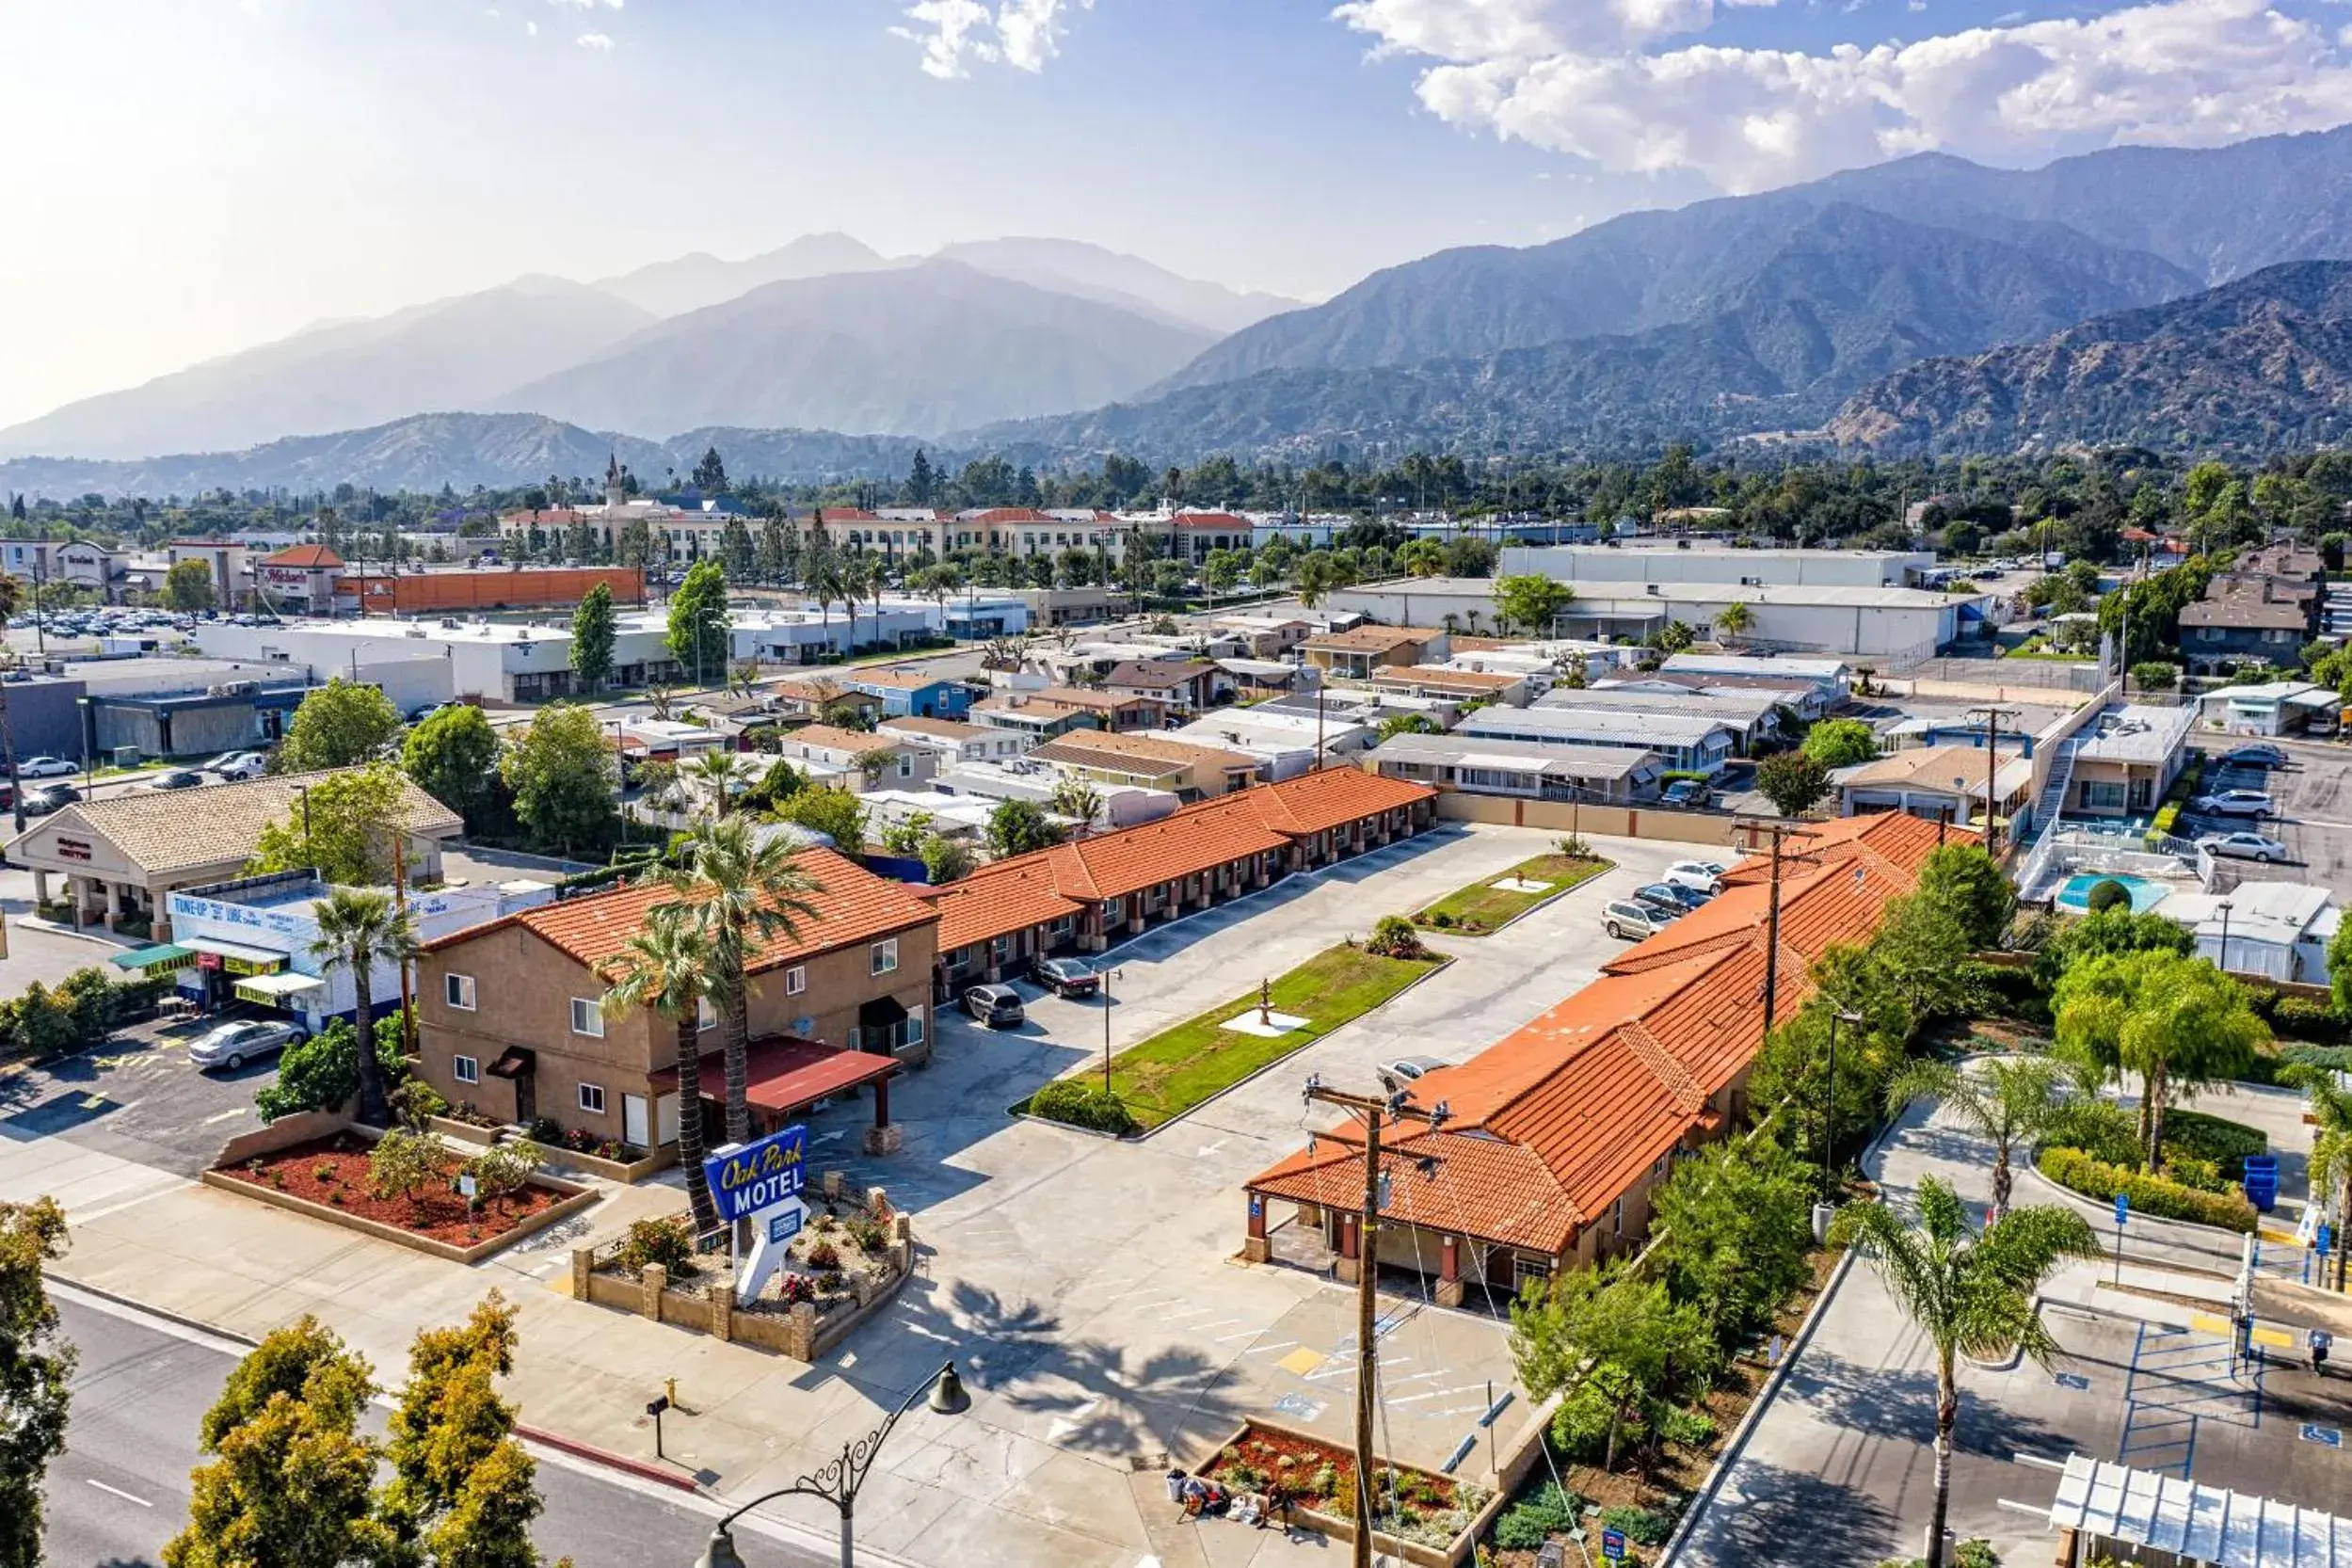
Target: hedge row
(2078, 1172)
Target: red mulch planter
(1263, 1450)
(435, 1211)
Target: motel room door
(634, 1126)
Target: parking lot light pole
(1108, 976)
(2225, 906)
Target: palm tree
(2331, 1148)
(715, 770)
(1970, 1293)
(671, 965)
(2010, 1102)
(753, 889)
(358, 929)
(1734, 618)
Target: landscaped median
(1492, 903)
(1160, 1080)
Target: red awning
(783, 1074)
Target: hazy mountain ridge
(690, 283)
(2261, 364)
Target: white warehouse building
(1596, 564)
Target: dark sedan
(1069, 977)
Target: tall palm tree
(716, 771)
(753, 889)
(2331, 1149)
(671, 965)
(358, 929)
(1970, 1293)
(2010, 1102)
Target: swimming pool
(2146, 893)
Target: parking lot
(2314, 809)
(135, 1097)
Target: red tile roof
(1314, 802)
(1193, 840)
(309, 557)
(851, 905)
(1011, 895)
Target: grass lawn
(1482, 907)
(1178, 1068)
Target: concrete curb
(195, 1324)
(1558, 892)
(641, 1469)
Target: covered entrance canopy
(166, 955)
(272, 990)
(2098, 1502)
(784, 1075)
(234, 957)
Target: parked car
(50, 797)
(1667, 896)
(1700, 876)
(2232, 803)
(1405, 1069)
(238, 764)
(1069, 977)
(1687, 793)
(1625, 920)
(2245, 846)
(997, 1006)
(2259, 755)
(176, 779)
(232, 1046)
(45, 767)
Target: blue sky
(194, 176)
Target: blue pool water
(2145, 892)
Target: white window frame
(464, 1070)
(591, 1099)
(706, 1016)
(914, 1027)
(589, 1009)
(796, 980)
(457, 991)
(882, 956)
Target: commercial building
(511, 1018)
(2125, 763)
(1605, 776)
(1753, 717)
(676, 533)
(1149, 763)
(912, 693)
(122, 858)
(1694, 745)
(440, 591)
(1598, 565)
(1560, 1133)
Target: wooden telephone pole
(1992, 717)
(1781, 828)
(1371, 1110)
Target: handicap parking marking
(2327, 1437)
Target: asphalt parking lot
(2312, 796)
(135, 1097)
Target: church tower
(615, 492)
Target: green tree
(2331, 1164)
(1968, 883)
(1793, 782)
(36, 1373)
(1915, 949)
(1530, 601)
(1407, 723)
(1075, 798)
(2339, 978)
(737, 549)
(322, 1072)
(2179, 1023)
(289, 1482)
(404, 1163)
(563, 778)
(1968, 1293)
(2111, 931)
(1018, 826)
(1611, 1337)
(1841, 742)
(188, 588)
(341, 725)
(595, 626)
(358, 929)
(1674, 636)
(1421, 557)
(1731, 1230)
(830, 810)
(710, 475)
(450, 757)
(699, 637)
(342, 826)
(670, 965)
(945, 859)
(754, 892)
(2007, 1102)
(461, 1491)
(1733, 619)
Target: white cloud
(1583, 77)
(957, 34)
(599, 41)
(530, 29)
(589, 5)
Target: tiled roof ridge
(1664, 1065)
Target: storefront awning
(235, 957)
(269, 989)
(168, 955)
(516, 1062)
(881, 1013)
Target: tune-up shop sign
(758, 1175)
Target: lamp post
(1829, 1108)
(837, 1482)
(2224, 906)
(1108, 976)
(90, 777)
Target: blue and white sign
(1613, 1545)
(760, 1174)
(2123, 1209)
(785, 1223)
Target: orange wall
(510, 588)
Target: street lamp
(1829, 1110)
(1108, 975)
(837, 1480)
(2224, 906)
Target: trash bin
(2262, 1181)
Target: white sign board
(772, 1231)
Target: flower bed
(332, 1172)
(1415, 1506)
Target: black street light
(2224, 906)
(837, 1480)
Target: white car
(238, 764)
(2244, 846)
(1700, 876)
(45, 767)
(232, 1046)
(2232, 803)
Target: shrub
(1524, 1526)
(2189, 1171)
(1443, 919)
(2099, 1128)
(824, 1258)
(323, 1172)
(1643, 1527)
(2156, 675)
(2307, 1020)
(2105, 894)
(668, 1244)
(2150, 1195)
(2334, 1057)
(869, 1236)
(1692, 1428)
(1078, 1104)
(2005, 991)
(2213, 1139)
(1393, 937)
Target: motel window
(458, 989)
(588, 1017)
(706, 1016)
(1617, 1218)
(883, 956)
(2103, 796)
(592, 1099)
(796, 980)
(464, 1070)
(915, 1027)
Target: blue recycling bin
(2262, 1181)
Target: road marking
(1269, 1350)
(1246, 1333)
(1066, 1425)
(1349, 1370)
(118, 1492)
(1196, 1328)
(1207, 1149)
(228, 1115)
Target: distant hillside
(1092, 272)
(905, 351)
(451, 354)
(2258, 365)
(428, 451)
(690, 283)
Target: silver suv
(1629, 922)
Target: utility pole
(1993, 717)
(1370, 1109)
(1781, 829)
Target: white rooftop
(2135, 733)
(2193, 1521)
(1570, 723)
